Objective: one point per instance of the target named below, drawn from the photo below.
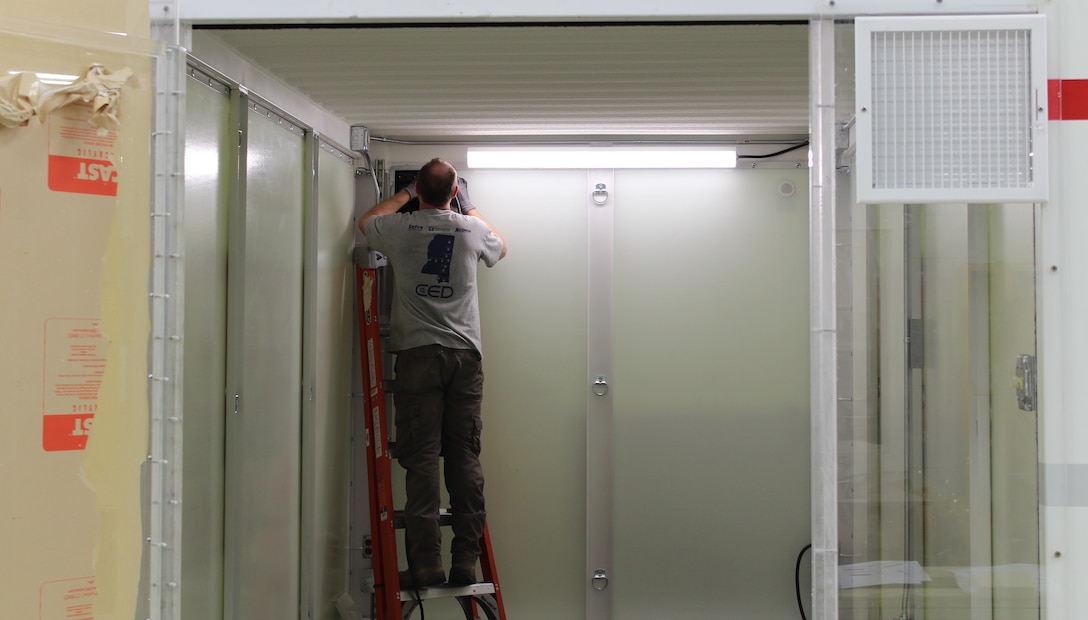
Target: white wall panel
(1062, 269)
(533, 308)
(711, 393)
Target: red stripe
(1068, 100)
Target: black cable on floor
(797, 580)
(419, 599)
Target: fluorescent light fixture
(604, 157)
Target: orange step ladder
(389, 601)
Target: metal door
(207, 185)
(264, 381)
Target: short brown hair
(436, 182)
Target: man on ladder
(438, 386)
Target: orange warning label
(81, 156)
(75, 361)
(70, 599)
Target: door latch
(1026, 382)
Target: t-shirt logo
(439, 257)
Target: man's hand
(464, 203)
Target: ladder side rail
(387, 605)
(489, 569)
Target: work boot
(417, 579)
(462, 574)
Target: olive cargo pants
(438, 393)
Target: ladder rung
(446, 591)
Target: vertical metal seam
(823, 327)
(308, 371)
(239, 126)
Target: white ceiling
(737, 81)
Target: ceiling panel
(630, 81)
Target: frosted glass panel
(265, 436)
(710, 393)
(533, 308)
(1013, 449)
(949, 484)
(206, 199)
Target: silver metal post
(165, 353)
(825, 604)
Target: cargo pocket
(477, 430)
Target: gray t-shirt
(434, 254)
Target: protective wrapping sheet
(75, 170)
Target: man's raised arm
(385, 207)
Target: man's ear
(456, 187)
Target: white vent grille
(951, 109)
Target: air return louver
(951, 109)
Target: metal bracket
(600, 386)
(600, 580)
(600, 194)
